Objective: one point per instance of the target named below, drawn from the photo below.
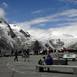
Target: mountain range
(25, 39)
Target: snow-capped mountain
(44, 36)
(11, 35)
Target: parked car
(70, 56)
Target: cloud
(69, 13)
(72, 1)
(2, 13)
(4, 4)
(37, 11)
(39, 20)
(42, 11)
(67, 32)
(28, 24)
(68, 28)
(56, 18)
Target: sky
(41, 16)
(43, 11)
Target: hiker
(49, 61)
(16, 56)
(26, 54)
(0, 53)
(41, 62)
(66, 61)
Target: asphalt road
(9, 68)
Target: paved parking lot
(9, 68)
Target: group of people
(48, 60)
(25, 55)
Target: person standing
(28, 54)
(49, 61)
(16, 56)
